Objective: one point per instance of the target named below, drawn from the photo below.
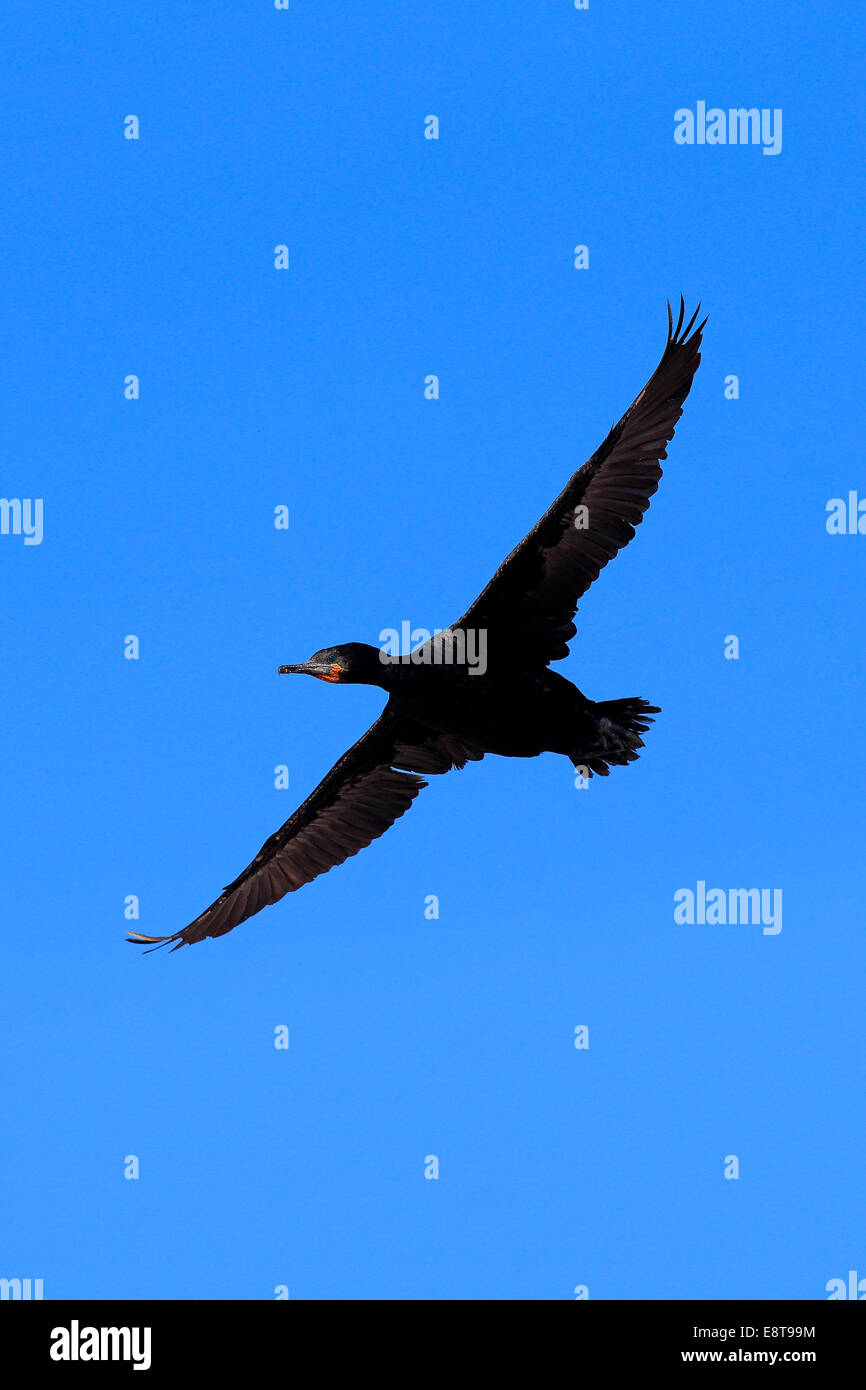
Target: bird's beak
(322, 670)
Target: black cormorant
(483, 685)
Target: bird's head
(352, 664)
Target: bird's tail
(618, 728)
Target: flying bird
(484, 685)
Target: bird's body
(518, 714)
(515, 711)
(484, 685)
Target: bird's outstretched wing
(370, 787)
(531, 600)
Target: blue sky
(304, 1168)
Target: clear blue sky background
(411, 1037)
